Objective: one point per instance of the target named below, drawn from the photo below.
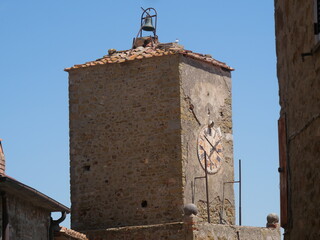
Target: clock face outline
(210, 146)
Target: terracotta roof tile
(148, 52)
(71, 233)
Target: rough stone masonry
(135, 121)
(298, 69)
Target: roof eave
(10, 185)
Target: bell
(147, 26)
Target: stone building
(134, 127)
(145, 124)
(25, 213)
(298, 61)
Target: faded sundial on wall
(210, 148)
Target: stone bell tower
(145, 123)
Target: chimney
(2, 160)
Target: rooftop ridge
(161, 49)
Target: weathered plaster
(208, 90)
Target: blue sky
(41, 38)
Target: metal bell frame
(145, 15)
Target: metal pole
(207, 191)
(222, 209)
(193, 189)
(239, 192)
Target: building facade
(298, 62)
(135, 127)
(25, 213)
(151, 146)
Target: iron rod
(239, 192)
(207, 190)
(193, 186)
(192, 190)
(222, 208)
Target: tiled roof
(66, 232)
(148, 52)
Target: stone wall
(27, 222)
(171, 231)
(134, 149)
(300, 104)
(205, 231)
(133, 141)
(208, 90)
(125, 142)
(186, 231)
